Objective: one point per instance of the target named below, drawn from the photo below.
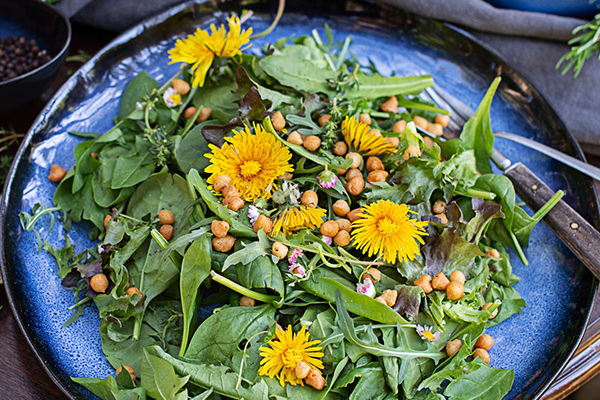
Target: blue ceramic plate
(558, 289)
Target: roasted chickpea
(233, 203)
(375, 132)
(279, 250)
(263, 222)
(295, 138)
(455, 290)
(278, 120)
(189, 112)
(344, 224)
(204, 115)
(435, 129)
(494, 313)
(381, 300)
(355, 186)
(99, 283)
(352, 172)
(329, 228)
(302, 370)
(127, 368)
(312, 142)
(453, 347)
(315, 379)
(458, 276)
(353, 215)
(372, 273)
(428, 141)
(224, 244)
(356, 159)
(132, 291)
(323, 119)
(181, 86)
(390, 105)
(219, 228)
(399, 126)
(440, 282)
(221, 182)
(420, 122)
(443, 218)
(443, 120)
(394, 141)
(424, 282)
(493, 253)
(166, 231)
(246, 301)
(481, 353)
(377, 176)
(310, 199)
(411, 151)
(230, 191)
(374, 163)
(166, 217)
(390, 296)
(484, 341)
(340, 148)
(107, 218)
(341, 208)
(439, 207)
(342, 238)
(57, 173)
(365, 118)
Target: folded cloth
(530, 42)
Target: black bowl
(33, 19)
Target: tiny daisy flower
(327, 240)
(297, 270)
(367, 288)
(327, 179)
(139, 105)
(426, 333)
(253, 214)
(296, 254)
(172, 98)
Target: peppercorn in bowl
(34, 42)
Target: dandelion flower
(252, 161)
(384, 228)
(426, 333)
(286, 351)
(367, 288)
(199, 49)
(297, 218)
(357, 136)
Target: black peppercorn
(19, 56)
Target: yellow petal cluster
(357, 136)
(298, 217)
(199, 49)
(385, 228)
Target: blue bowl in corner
(572, 8)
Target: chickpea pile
(454, 287)
(311, 376)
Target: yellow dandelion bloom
(298, 217)
(384, 228)
(252, 161)
(200, 48)
(286, 351)
(357, 136)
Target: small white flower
(367, 288)
(253, 214)
(172, 98)
(327, 240)
(139, 106)
(297, 270)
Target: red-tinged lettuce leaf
(485, 211)
(408, 301)
(450, 252)
(215, 134)
(251, 105)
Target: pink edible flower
(296, 254)
(297, 270)
(426, 333)
(327, 179)
(367, 288)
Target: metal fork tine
(461, 109)
(456, 121)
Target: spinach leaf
(505, 192)
(301, 75)
(220, 99)
(133, 167)
(498, 383)
(477, 133)
(261, 273)
(189, 152)
(195, 268)
(139, 87)
(160, 380)
(250, 251)
(108, 389)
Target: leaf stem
(265, 298)
(273, 25)
(470, 192)
(334, 256)
(80, 303)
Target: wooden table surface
(23, 376)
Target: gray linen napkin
(530, 42)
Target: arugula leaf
(498, 383)
(375, 86)
(477, 133)
(302, 75)
(159, 379)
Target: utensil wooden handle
(578, 234)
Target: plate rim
(152, 21)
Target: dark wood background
(22, 375)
